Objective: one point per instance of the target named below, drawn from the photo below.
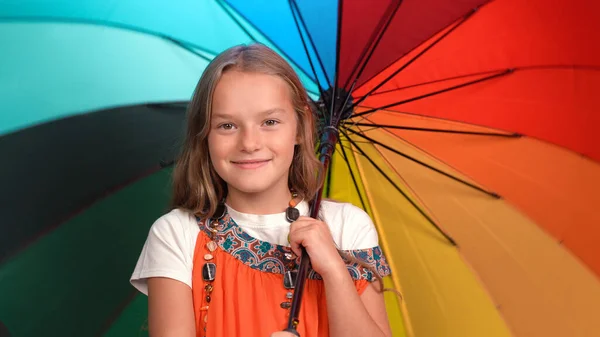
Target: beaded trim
(268, 257)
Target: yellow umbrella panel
(506, 276)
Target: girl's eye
(226, 126)
(271, 122)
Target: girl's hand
(315, 237)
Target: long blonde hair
(196, 185)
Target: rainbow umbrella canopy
(467, 130)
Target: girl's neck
(268, 202)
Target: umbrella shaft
(327, 145)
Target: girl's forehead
(242, 93)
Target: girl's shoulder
(345, 211)
(351, 227)
(175, 224)
(168, 250)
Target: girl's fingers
(303, 230)
(316, 237)
(282, 334)
(297, 235)
(302, 223)
(295, 246)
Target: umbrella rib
(362, 202)
(312, 67)
(373, 126)
(349, 148)
(492, 194)
(436, 81)
(312, 92)
(411, 128)
(265, 36)
(426, 152)
(362, 142)
(416, 57)
(428, 117)
(377, 37)
(380, 170)
(186, 45)
(295, 5)
(538, 67)
(503, 73)
(220, 3)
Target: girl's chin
(246, 189)
(255, 185)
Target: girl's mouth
(250, 164)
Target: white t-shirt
(169, 248)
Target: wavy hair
(196, 185)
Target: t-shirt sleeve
(167, 252)
(364, 256)
(359, 230)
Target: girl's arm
(170, 308)
(353, 315)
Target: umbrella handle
(328, 141)
(293, 321)
(299, 289)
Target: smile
(250, 164)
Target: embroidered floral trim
(268, 257)
(372, 257)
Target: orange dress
(245, 298)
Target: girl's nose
(251, 140)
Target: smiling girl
(222, 262)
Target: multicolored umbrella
(467, 131)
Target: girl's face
(253, 131)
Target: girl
(223, 261)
